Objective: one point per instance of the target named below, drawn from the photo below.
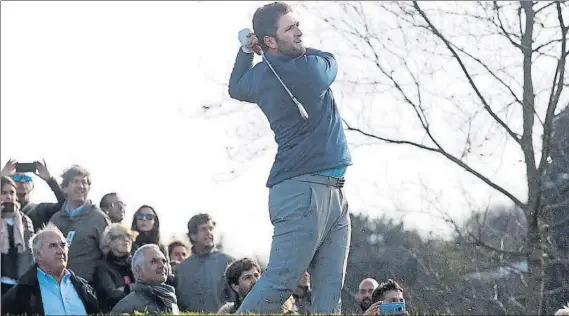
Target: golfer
(307, 205)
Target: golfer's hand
(248, 42)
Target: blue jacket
(304, 146)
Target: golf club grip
(257, 49)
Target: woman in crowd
(15, 232)
(147, 224)
(113, 275)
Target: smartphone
(25, 167)
(397, 308)
(8, 207)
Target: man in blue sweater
(307, 205)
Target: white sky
(115, 86)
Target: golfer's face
(289, 36)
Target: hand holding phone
(9, 207)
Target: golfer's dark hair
(6, 180)
(195, 222)
(379, 293)
(266, 18)
(105, 200)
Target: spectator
(113, 206)
(178, 251)
(365, 291)
(303, 295)
(150, 293)
(16, 230)
(82, 222)
(147, 224)
(200, 279)
(38, 213)
(113, 274)
(48, 287)
(387, 292)
(240, 277)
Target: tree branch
(556, 89)
(501, 25)
(466, 73)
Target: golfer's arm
(322, 68)
(241, 79)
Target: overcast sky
(117, 87)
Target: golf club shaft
(299, 105)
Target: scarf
(163, 292)
(18, 227)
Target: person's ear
(270, 41)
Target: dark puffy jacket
(110, 274)
(25, 297)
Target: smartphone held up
(8, 207)
(396, 308)
(26, 167)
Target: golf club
(257, 49)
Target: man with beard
(307, 205)
(200, 282)
(150, 292)
(365, 291)
(48, 287)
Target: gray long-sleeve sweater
(86, 229)
(200, 282)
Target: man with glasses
(113, 206)
(38, 213)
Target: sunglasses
(142, 217)
(122, 237)
(21, 178)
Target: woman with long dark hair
(147, 224)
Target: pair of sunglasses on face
(122, 237)
(21, 178)
(142, 217)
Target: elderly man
(150, 292)
(365, 291)
(49, 288)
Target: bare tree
(467, 80)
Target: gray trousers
(312, 233)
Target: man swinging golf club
(307, 205)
